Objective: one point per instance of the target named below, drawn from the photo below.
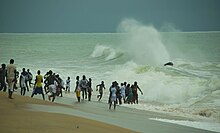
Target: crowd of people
(54, 85)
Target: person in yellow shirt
(38, 89)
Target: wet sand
(25, 114)
(16, 118)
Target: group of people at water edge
(54, 84)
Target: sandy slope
(15, 118)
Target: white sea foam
(210, 126)
(101, 50)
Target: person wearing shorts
(38, 89)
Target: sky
(86, 16)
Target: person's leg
(21, 91)
(54, 96)
(100, 97)
(137, 98)
(26, 82)
(83, 93)
(114, 105)
(43, 96)
(24, 91)
(32, 95)
(61, 92)
(1, 85)
(110, 104)
(89, 96)
(4, 86)
(10, 88)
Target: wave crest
(104, 51)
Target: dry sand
(15, 118)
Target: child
(68, 85)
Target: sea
(190, 88)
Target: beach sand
(16, 118)
(25, 114)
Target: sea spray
(143, 43)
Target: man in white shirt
(11, 70)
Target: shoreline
(123, 117)
(16, 118)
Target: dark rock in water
(168, 64)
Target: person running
(38, 89)
(22, 82)
(11, 70)
(113, 90)
(52, 85)
(100, 88)
(77, 89)
(134, 88)
(2, 78)
(89, 89)
(68, 85)
(30, 77)
(83, 84)
(60, 86)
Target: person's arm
(97, 87)
(77, 85)
(20, 81)
(140, 90)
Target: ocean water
(191, 88)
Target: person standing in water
(122, 88)
(30, 77)
(134, 88)
(113, 97)
(25, 74)
(83, 84)
(77, 89)
(11, 73)
(89, 89)
(100, 88)
(68, 85)
(38, 89)
(22, 82)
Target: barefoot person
(77, 89)
(89, 89)
(22, 82)
(38, 89)
(83, 84)
(11, 69)
(52, 85)
(30, 77)
(100, 88)
(113, 90)
(68, 85)
(135, 89)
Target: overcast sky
(105, 15)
